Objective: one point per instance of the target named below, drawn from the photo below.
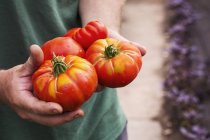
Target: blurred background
(169, 98)
(143, 22)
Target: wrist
(110, 26)
(107, 12)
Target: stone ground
(143, 22)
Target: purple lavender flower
(187, 133)
(197, 73)
(199, 130)
(196, 132)
(175, 45)
(191, 114)
(173, 93)
(176, 63)
(177, 28)
(186, 98)
(185, 67)
(185, 10)
(174, 3)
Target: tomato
(71, 32)
(93, 31)
(117, 63)
(68, 81)
(62, 46)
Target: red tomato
(93, 31)
(68, 81)
(62, 46)
(117, 63)
(72, 32)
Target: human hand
(16, 91)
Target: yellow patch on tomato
(82, 66)
(41, 82)
(119, 66)
(73, 73)
(63, 80)
(111, 41)
(52, 89)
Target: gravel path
(143, 22)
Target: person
(23, 116)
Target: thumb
(35, 60)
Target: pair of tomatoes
(76, 63)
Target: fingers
(35, 60)
(37, 55)
(116, 35)
(57, 119)
(141, 48)
(52, 120)
(45, 113)
(34, 105)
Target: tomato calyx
(111, 51)
(59, 66)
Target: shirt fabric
(27, 22)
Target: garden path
(143, 22)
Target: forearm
(108, 12)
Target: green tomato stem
(59, 66)
(111, 51)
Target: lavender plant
(186, 74)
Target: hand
(116, 35)
(16, 91)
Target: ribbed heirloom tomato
(69, 81)
(62, 46)
(93, 31)
(117, 63)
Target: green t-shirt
(26, 22)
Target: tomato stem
(59, 66)
(111, 51)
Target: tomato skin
(72, 32)
(93, 31)
(69, 89)
(119, 70)
(62, 46)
